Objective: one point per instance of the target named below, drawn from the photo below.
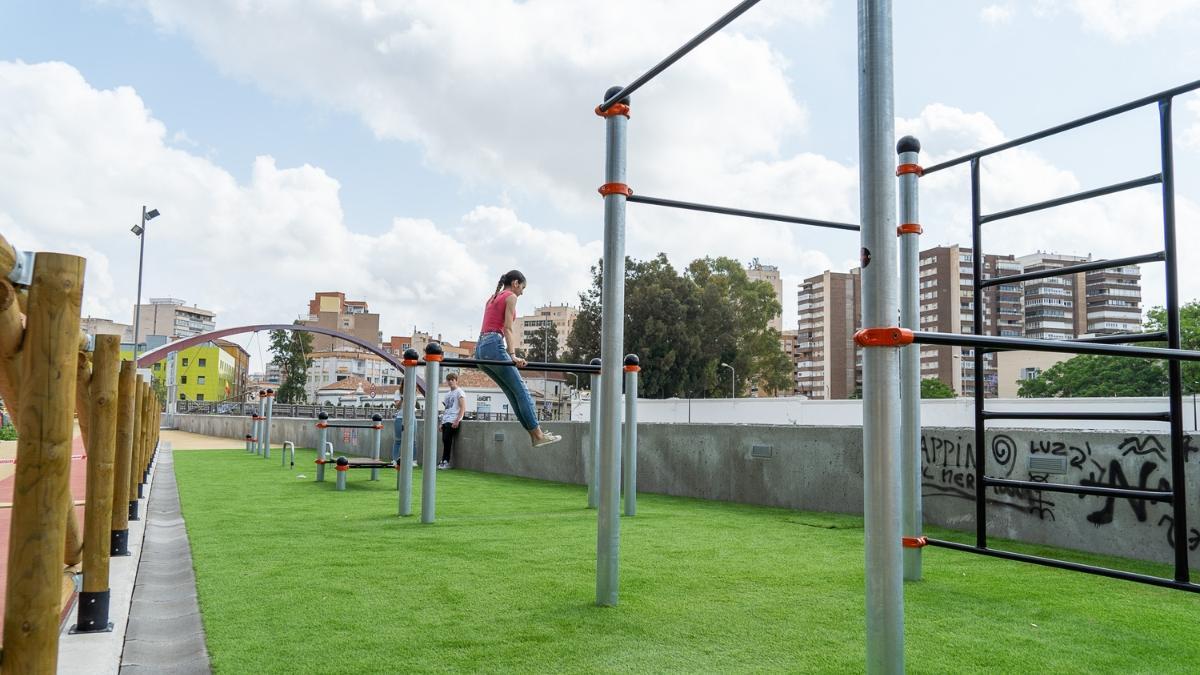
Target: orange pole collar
(615, 189)
(632, 369)
(909, 228)
(433, 357)
(342, 468)
(614, 110)
(914, 542)
(910, 168)
(321, 425)
(883, 337)
(410, 362)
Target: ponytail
(506, 280)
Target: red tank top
(493, 313)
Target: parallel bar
(1070, 199)
(532, 365)
(1097, 491)
(727, 211)
(1058, 346)
(911, 515)
(1157, 256)
(977, 354)
(1103, 114)
(1121, 338)
(679, 53)
(1065, 565)
(1147, 416)
(1174, 368)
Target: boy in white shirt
(455, 406)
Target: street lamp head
(726, 365)
(136, 229)
(152, 214)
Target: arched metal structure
(156, 355)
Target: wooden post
(93, 599)
(123, 460)
(135, 471)
(73, 553)
(35, 551)
(12, 330)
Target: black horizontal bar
(1096, 491)
(1066, 565)
(350, 426)
(1077, 197)
(531, 365)
(1121, 338)
(1066, 126)
(1007, 415)
(724, 210)
(1157, 256)
(1059, 346)
(688, 46)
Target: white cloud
(76, 163)
(997, 14)
(1122, 20)
(1191, 134)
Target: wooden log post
(93, 599)
(135, 472)
(36, 539)
(73, 553)
(123, 459)
(12, 330)
(148, 429)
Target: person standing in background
(455, 406)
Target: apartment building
(171, 318)
(332, 310)
(1099, 302)
(562, 317)
(828, 308)
(770, 274)
(333, 366)
(97, 326)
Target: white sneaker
(414, 463)
(546, 439)
(442, 466)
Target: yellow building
(205, 372)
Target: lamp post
(732, 380)
(140, 231)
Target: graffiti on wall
(1139, 461)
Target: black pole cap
(322, 415)
(376, 417)
(433, 348)
(612, 91)
(270, 391)
(342, 461)
(411, 354)
(631, 360)
(595, 361)
(908, 144)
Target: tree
(542, 344)
(290, 350)
(1189, 338)
(931, 387)
(160, 390)
(1103, 376)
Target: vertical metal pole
(977, 354)
(629, 440)
(322, 435)
(612, 339)
(1174, 368)
(881, 388)
(250, 435)
(262, 412)
(378, 420)
(137, 312)
(267, 424)
(410, 426)
(433, 359)
(593, 458)
(909, 232)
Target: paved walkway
(165, 633)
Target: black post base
(141, 490)
(133, 510)
(93, 613)
(119, 543)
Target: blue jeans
(491, 347)
(398, 430)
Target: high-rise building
(1114, 300)
(828, 307)
(1098, 302)
(171, 318)
(562, 317)
(333, 311)
(770, 274)
(97, 326)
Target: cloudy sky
(408, 152)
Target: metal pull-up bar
(728, 211)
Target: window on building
(185, 362)
(1030, 373)
(202, 362)
(199, 379)
(199, 397)
(157, 365)
(183, 379)
(182, 397)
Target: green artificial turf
(294, 577)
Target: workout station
(62, 374)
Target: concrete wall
(820, 469)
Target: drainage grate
(762, 451)
(499, 436)
(1047, 464)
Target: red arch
(156, 355)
